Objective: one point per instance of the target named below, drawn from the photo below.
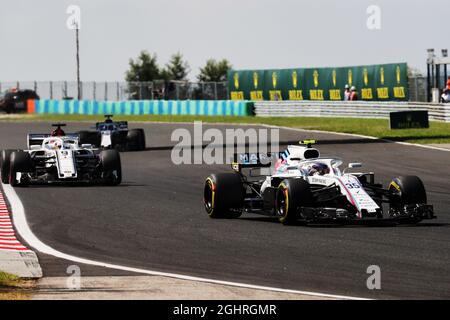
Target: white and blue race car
(114, 135)
(301, 185)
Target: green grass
(7, 279)
(438, 132)
(14, 288)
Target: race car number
(351, 185)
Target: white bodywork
(65, 163)
(106, 131)
(294, 165)
(61, 153)
(106, 140)
(63, 150)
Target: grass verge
(438, 132)
(14, 288)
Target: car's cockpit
(107, 127)
(59, 143)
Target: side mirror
(353, 165)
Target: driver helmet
(55, 144)
(318, 168)
(58, 132)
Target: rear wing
(253, 160)
(265, 160)
(36, 139)
(121, 125)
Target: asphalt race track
(155, 220)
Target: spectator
(448, 83)
(445, 98)
(347, 93)
(353, 94)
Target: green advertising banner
(385, 82)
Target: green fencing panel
(295, 79)
(273, 85)
(385, 82)
(257, 86)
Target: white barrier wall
(357, 109)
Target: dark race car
(114, 135)
(15, 101)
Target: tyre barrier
(143, 107)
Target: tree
(177, 68)
(144, 68)
(414, 72)
(214, 71)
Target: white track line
(303, 130)
(357, 136)
(25, 232)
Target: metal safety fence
(438, 112)
(120, 91)
(418, 89)
(155, 90)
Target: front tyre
(292, 194)
(223, 195)
(20, 162)
(407, 190)
(5, 165)
(111, 167)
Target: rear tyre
(292, 194)
(136, 139)
(111, 167)
(5, 165)
(20, 162)
(223, 195)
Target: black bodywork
(16, 101)
(122, 138)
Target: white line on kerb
(25, 232)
